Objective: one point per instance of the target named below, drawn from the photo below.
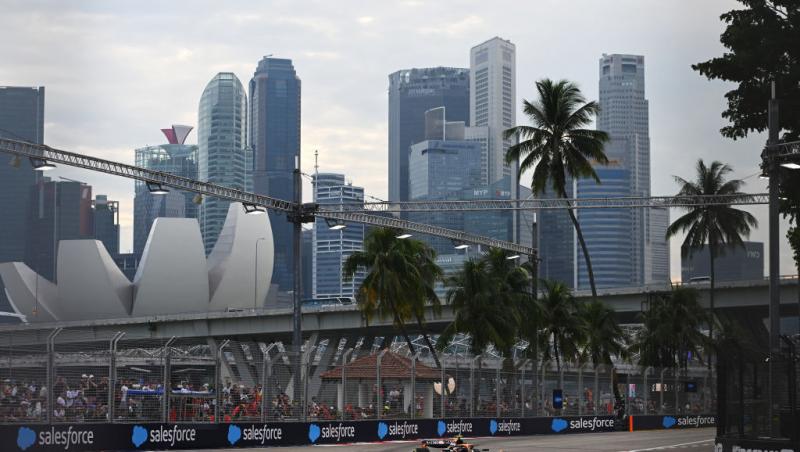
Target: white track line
(670, 446)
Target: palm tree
(430, 273)
(671, 330)
(712, 225)
(478, 312)
(563, 329)
(400, 273)
(603, 338)
(558, 146)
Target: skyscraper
(274, 137)
(332, 246)
(492, 97)
(627, 246)
(62, 211)
(412, 92)
(177, 158)
(221, 131)
(21, 118)
(106, 223)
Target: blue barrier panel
(671, 421)
(78, 437)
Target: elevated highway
(268, 325)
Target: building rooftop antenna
(316, 164)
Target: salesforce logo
(234, 434)
(63, 438)
(161, 435)
(337, 432)
(397, 430)
(558, 425)
(507, 427)
(25, 438)
(668, 421)
(138, 435)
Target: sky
(116, 72)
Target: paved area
(699, 440)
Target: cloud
(468, 25)
(365, 20)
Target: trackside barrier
(154, 436)
(671, 422)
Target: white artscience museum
(173, 277)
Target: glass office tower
(21, 118)
(274, 137)
(221, 153)
(333, 246)
(412, 92)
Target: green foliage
(401, 275)
(762, 45)
(558, 145)
(563, 328)
(603, 338)
(480, 309)
(715, 225)
(671, 330)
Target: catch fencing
(69, 376)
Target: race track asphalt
(695, 440)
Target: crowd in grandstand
(86, 399)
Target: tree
(712, 225)
(558, 146)
(603, 338)
(399, 276)
(489, 321)
(761, 42)
(789, 193)
(563, 328)
(671, 331)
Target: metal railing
(73, 375)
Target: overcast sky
(116, 72)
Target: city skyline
(352, 125)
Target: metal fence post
(497, 390)
(443, 389)
(379, 388)
(646, 390)
(112, 374)
(596, 395)
(522, 386)
(544, 382)
(218, 380)
(661, 393)
(309, 358)
(580, 391)
(472, 384)
(413, 407)
(266, 380)
(51, 376)
(676, 375)
(345, 359)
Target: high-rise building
(443, 170)
(176, 158)
(21, 118)
(274, 137)
(735, 263)
(106, 223)
(333, 245)
(307, 263)
(492, 95)
(62, 210)
(221, 153)
(556, 240)
(627, 246)
(412, 92)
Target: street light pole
(774, 260)
(297, 224)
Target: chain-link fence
(74, 375)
